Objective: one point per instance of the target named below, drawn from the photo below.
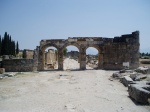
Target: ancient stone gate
(113, 53)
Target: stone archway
(72, 44)
(72, 56)
(113, 52)
(42, 54)
(100, 54)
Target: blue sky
(29, 21)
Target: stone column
(82, 59)
(41, 60)
(100, 60)
(60, 60)
(35, 59)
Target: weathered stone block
(2, 70)
(140, 93)
(143, 70)
(126, 80)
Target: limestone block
(2, 76)
(126, 80)
(116, 75)
(133, 75)
(139, 92)
(139, 77)
(2, 70)
(143, 70)
(10, 74)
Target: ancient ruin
(113, 53)
(28, 54)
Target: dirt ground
(66, 91)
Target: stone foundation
(18, 65)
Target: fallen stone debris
(138, 83)
(7, 75)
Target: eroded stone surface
(139, 92)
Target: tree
(17, 48)
(13, 48)
(8, 46)
(65, 51)
(0, 45)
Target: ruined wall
(18, 65)
(122, 49)
(113, 53)
(28, 54)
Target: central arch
(74, 45)
(71, 58)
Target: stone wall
(122, 49)
(18, 65)
(28, 54)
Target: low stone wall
(18, 65)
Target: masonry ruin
(28, 54)
(113, 53)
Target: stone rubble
(138, 83)
(7, 75)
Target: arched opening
(71, 58)
(92, 55)
(50, 58)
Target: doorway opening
(71, 58)
(50, 58)
(92, 58)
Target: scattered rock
(110, 79)
(2, 76)
(133, 75)
(129, 71)
(122, 71)
(10, 74)
(143, 70)
(139, 77)
(148, 83)
(70, 107)
(126, 80)
(2, 70)
(139, 92)
(116, 75)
